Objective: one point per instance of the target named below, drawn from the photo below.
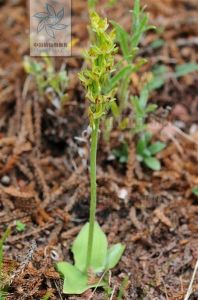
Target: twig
(101, 278)
(189, 291)
(113, 292)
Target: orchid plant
(92, 256)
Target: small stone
(5, 180)
(123, 194)
(193, 129)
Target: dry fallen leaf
(162, 218)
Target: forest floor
(44, 180)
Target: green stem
(92, 212)
(124, 92)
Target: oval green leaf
(152, 163)
(99, 250)
(113, 255)
(156, 147)
(75, 282)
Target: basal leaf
(75, 282)
(113, 255)
(156, 147)
(99, 251)
(153, 163)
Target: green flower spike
(90, 248)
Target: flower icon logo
(50, 20)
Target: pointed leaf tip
(113, 256)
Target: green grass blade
(185, 69)
(123, 39)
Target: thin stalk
(92, 212)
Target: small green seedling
(4, 282)
(92, 256)
(121, 153)
(195, 191)
(129, 63)
(129, 43)
(47, 78)
(141, 109)
(20, 227)
(146, 151)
